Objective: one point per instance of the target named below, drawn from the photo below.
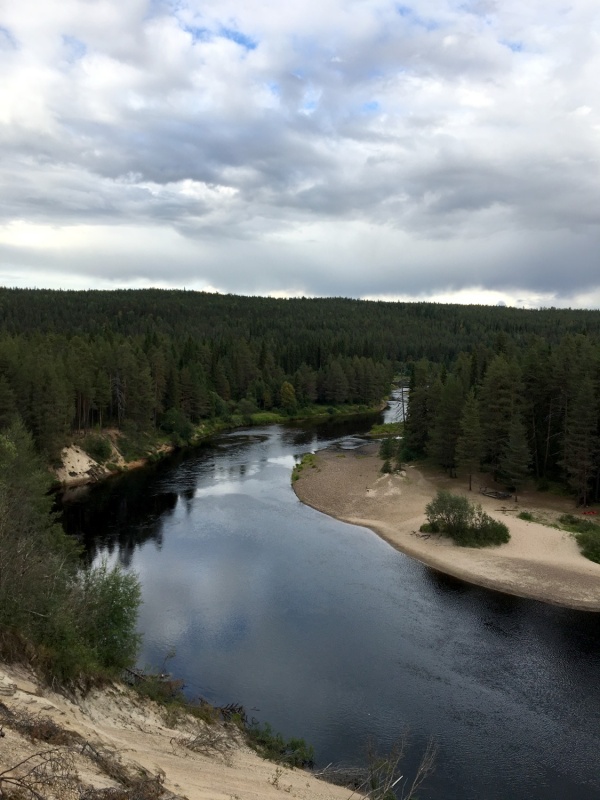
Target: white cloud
(321, 148)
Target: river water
(325, 631)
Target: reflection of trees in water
(124, 512)
(304, 433)
(119, 515)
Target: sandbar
(539, 562)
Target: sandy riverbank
(130, 731)
(539, 562)
(77, 468)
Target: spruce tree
(469, 447)
(445, 430)
(515, 460)
(581, 440)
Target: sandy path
(539, 562)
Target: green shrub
(589, 544)
(72, 623)
(587, 535)
(526, 515)
(97, 447)
(175, 423)
(578, 525)
(271, 745)
(430, 527)
(387, 448)
(451, 512)
(465, 523)
(386, 467)
(387, 429)
(134, 444)
(307, 460)
(110, 601)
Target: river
(325, 631)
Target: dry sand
(77, 468)
(118, 721)
(539, 562)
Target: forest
(513, 390)
(519, 413)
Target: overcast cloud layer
(365, 148)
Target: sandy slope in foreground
(120, 722)
(539, 562)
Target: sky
(434, 150)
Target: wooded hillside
(513, 389)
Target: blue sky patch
(411, 15)
(198, 34)
(239, 38)
(74, 48)
(7, 40)
(370, 107)
(516, 47)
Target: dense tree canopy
(529, 412)
(527, 380)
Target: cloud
(362, 149)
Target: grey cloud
(473, 166)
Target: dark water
(328, 633)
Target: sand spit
(118, 723)
(539, 562)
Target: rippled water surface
(325, 631)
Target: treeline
(296, 330)
(147, 359)
(518, 413)
(60, 383)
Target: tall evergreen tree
(500, 398)
(469, 446)
(515, 460)
(581, 440)
(445, 429)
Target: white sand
(539, 562)
(117, 719)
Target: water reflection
(332, 635)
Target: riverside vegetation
(464, 522)
(511, 391)
(70, 623)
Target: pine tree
(581, 440)
(515, 460)
(500, 398)
(445, 430)
(469, 447)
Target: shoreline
(539, 563)
(180, 756)
(78, 469)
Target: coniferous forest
(514, 390)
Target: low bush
(464, 522)
(387, 429)
(308, 460)
(589, 544)
(271, 745)
(587, 535)
(526, 515)
(175, 423)
(97, 447)
(577, 525)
